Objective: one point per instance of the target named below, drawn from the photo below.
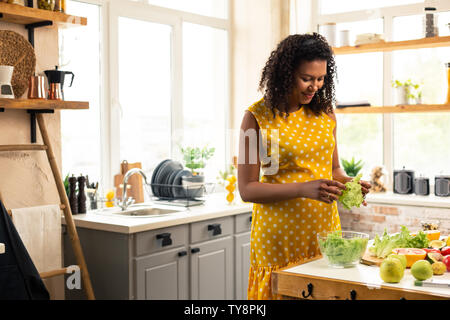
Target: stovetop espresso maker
(56, 82)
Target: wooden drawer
(243, 222)
(161, 239)
(299, 286)
(211, 229)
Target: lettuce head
(352, 196)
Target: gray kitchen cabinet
(212, 270)
(242, 264)
(163, 275)
(206, 259)
(243, 224)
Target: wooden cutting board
(370, 260)
(136, 188)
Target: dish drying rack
(189, 196)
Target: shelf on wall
(18, 14)
(433, 42)
(38, 104)
(396, 109)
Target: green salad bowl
(342, 249)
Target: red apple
(445, 251)
(446, 261)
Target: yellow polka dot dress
(284, 233)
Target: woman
(296, 120)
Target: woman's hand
(323, 190)
(365, 186)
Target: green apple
(400, 257)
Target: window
(411, 140)
(213, 8)
(205, 88)
(145, 69)
(80, 130)
(156, 76)
(419, 138)
(333, 6)
(356, 132)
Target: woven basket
(17, 51)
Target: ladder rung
(23, 147)
(53, 273)
(61, 206)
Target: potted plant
(352, 168)
(408, 92)
(195, 159)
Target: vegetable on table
(382, 246)
(341, 251)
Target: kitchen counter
(334, 283)
(215, 206)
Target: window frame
(110, 10)
(387, 14)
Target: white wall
(26, 177)
(256, 26)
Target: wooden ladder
(64, 205)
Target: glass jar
(57, 6)
(430, 22)
(46, 4)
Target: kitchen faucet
(129, 201)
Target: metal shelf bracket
(33, 121)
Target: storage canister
(422, 186)
(442, 186)
(430, 22)
(403, 181)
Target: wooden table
(361, 282)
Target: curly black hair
(278, 75)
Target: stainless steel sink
(140, 210)
(147, 212)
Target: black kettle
(56, 83)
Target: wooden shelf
(397, 109)
(15, 13)
(38, 104)
(395, 45)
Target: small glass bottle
(430, 22)
(448, 82)
(57, 6)
(46, 4)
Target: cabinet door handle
(195, 250)
(250, 219)
(182, 253)
(352, 295)
(310, 290)
(166, 240)
(215, 227)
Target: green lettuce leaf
(382, 246)
(352, 196)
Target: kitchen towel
(40, 230)
(19, 279)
